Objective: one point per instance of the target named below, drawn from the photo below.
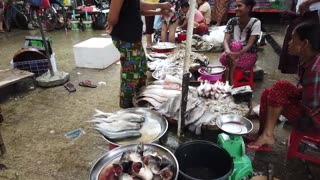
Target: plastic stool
(294, 141)
(240, 78)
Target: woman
(170, 23)
(299, 104)
(205, 9)
(240, 41)
(220, 11)
(125, 27)
(303, 11)
(200, 25)
(1, 15)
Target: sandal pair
(86, 83)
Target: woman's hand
(109, 29)
(233, 55)
(165, 6)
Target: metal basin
(234, 124)
(154, 128)
(115, 154)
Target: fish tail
(101, 113)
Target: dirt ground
(36, 119)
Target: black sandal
(70, 87)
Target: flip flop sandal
(70, 87)
(258, 147)
(87, 83)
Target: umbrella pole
(186, 65)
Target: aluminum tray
(234, 124)
(115, 154)
(154, 127)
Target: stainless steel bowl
(115, 154)
(154, 128)
(234, 124)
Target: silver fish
(132, 117)
(195, 114)
(119, 135)
(120, 125)
(152, 101)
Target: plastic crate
(38, 67)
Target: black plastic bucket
(203, 160)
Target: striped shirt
(310, 81)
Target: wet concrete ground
(36, 119)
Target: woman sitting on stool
(240, 41)
(300, 104)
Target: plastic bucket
(87, 25)
(203, 160)
(75, 25)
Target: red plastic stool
(294, 141)
(241, 79)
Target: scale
(234, 127)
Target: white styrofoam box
(98, 53)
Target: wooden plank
(10, 76)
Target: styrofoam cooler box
(96, 53)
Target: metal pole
(186, 73)
(44, 40)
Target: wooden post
(2, 147)
(186, 73)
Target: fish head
(167, 173)
(117, 168)
(136, 166)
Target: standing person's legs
(133, 70)
(149, 29)
(172, 32)
(164, 31)
(1, 19)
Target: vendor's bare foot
(263, 140)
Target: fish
(132, 117)
(154, 164)
(101, 113)
(167, 173)
(161, 92)
(119, 135)
(125, 176)
(156, 97)
(195, 114)
(151, 101)
(118, 126)
(142, 171)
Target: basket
(38, 67)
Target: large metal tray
(154, 127)
(115, 154)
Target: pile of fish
(173, 64)
(165, 97)
(116, 126)
(217, 90)
(198, 44)
(142, 164)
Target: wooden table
(7, 77)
